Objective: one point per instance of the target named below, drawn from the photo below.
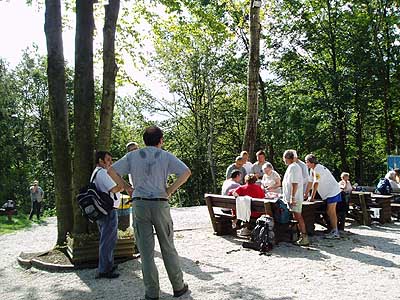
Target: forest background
(329, 84)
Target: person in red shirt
(249, 189)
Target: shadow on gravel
(194, 267)
(238, 290)
(348, 247)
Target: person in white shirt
(322, 180)
(247, 164)
(292, 186)
(304, 170)
(108, 225)
(345, 184)
(391, 175)
(231, 184)
(271, 180)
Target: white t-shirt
(327, 184)
(304, 172)
(104, 183)
(292, 175)
(248, 165)
(345, 186)
(270, 180)
(229, 185)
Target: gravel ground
(364, 264)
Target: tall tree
(84, 101)
(109, 73)
(250, 134)
(59, 126)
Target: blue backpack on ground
(383, 187)
(281, 212)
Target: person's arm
(121, 184)
(293, 191)
(178, 182)
(308, 188)
(277, 182)
(314, 191)
(116, 189)
(342, 185)
(227, 174)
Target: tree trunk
(59, 120)
(340, 105)
(210, 144)
(250, 134)
(109, 72)
(83, 161)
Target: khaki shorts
(298, 207)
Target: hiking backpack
(383, 187)
(262, 236)
(94, 204)
(281, 212)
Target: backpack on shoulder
(263, 236)
(383, 187)
(94, 204)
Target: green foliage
(18, 222)
(331, 74)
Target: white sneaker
(333, 235)
(245, 231)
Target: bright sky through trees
(22, 26)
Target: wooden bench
(222, 223)
(383, 202)
(395, 210)
(363, 204)
(310, 212)
(358, 207)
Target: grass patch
(18, 222)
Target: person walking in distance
(150, 168)
(37, 196)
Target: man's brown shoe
(182, 291)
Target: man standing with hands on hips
(150, 168)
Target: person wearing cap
(236, 166)
(37, 196)
(132, 146)
(150, 168)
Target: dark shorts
(334, 199)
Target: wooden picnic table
(222, 223)
(310, 210)
(363, 202)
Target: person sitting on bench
(231, 184)
(249, 189)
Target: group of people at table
(301, 181)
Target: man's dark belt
(149, 199)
